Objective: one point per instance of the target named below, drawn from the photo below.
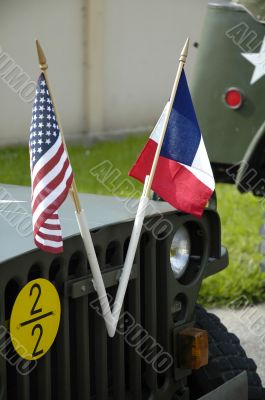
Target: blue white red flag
(183, 175)
(51, 172)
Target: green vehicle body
(235, 138)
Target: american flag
(51, 172)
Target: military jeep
(166, 346)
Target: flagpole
(144, 200)
(80, 215)
(182, 61)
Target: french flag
(183, 176)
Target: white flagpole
(137, 228)
(182, 60)
(128, 264)
(96, 272)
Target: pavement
(248, 324)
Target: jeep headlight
(180, 252)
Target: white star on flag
(258, 60)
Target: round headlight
(180, 252)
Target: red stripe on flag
(50, 226)
(53, 216)
(50, 249)
(51, 186)
(50, 236)
(46, 214)
(48, 166)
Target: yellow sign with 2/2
(35, 319)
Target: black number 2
(37, 352)
(34, 310)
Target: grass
(241, 215)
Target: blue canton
(44, 129)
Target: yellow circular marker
(35, 319)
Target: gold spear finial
(42, 58)
(185, 50)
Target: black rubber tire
(226, 359)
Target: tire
(226, 360)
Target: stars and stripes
(51, 172)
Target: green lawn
(241, 215)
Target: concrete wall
(58, 26)
(142, 43)
(111, 62)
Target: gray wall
(58, 25)
(111, 62)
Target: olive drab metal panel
(230, 56)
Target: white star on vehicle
(258, 60)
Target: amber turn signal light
(193, 348)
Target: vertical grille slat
(62, 386)
(23, 381)
(11, 290)
(101, 358)
(148, 303)
(44, 378)
(162, 251)
(81, 350)
(118, 371)
(3, 372)
(132, 359)
(23, 387)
